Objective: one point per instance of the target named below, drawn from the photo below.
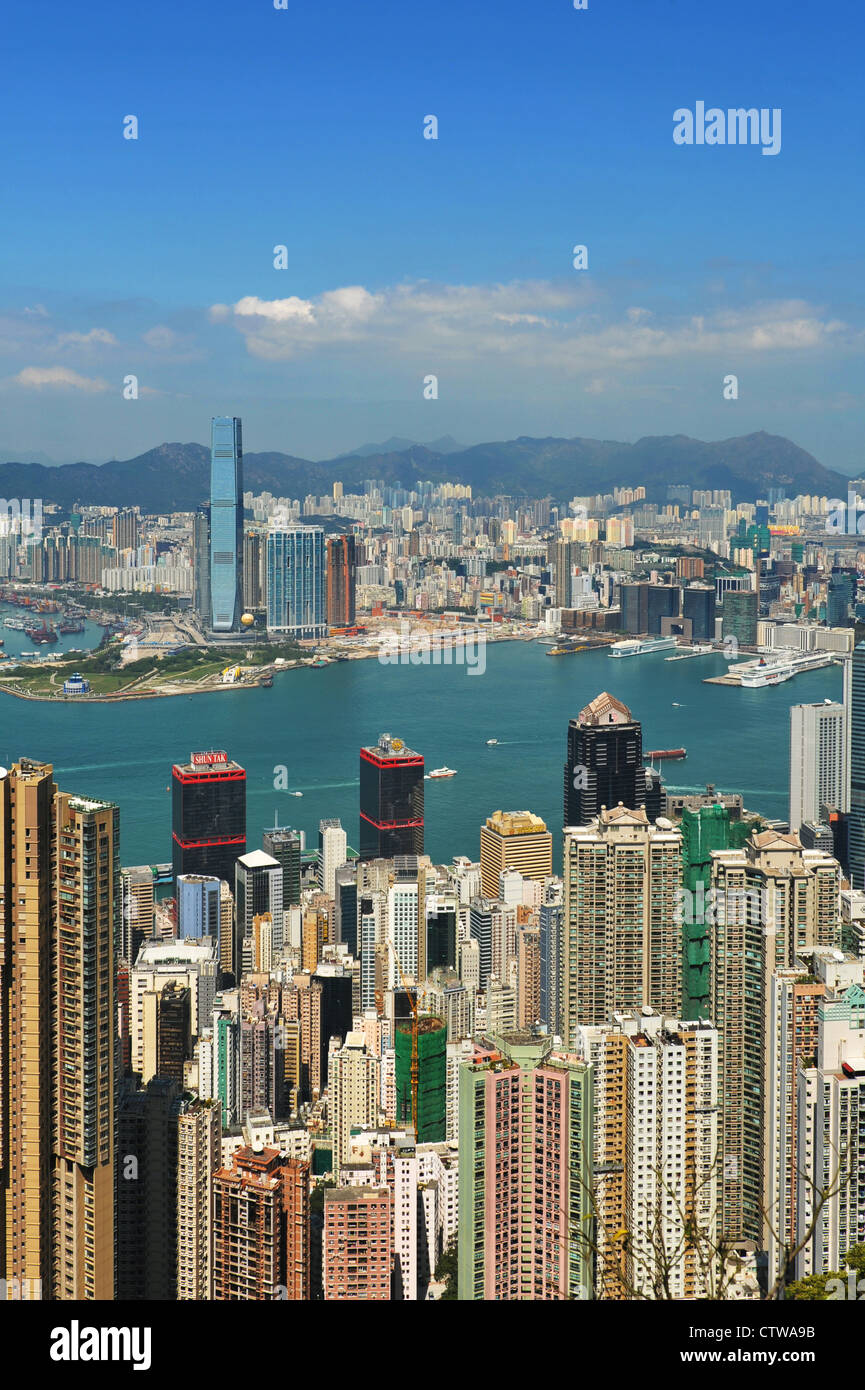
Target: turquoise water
(314, 722)
(16, 642)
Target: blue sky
(409, 257)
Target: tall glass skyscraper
(226, 523)
(296, 590)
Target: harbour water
(314, 721)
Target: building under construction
(432, 1036)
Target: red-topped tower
(391, 800)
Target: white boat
(442, 772)
(491, 742)
(642, 646)
(759, 676)
(295, 793)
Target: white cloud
(59, 377)
(96, 336)
(573, 329)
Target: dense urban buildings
(614, 1059)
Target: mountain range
(174, 477)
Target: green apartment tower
(525, 1172)
(703, 831)
(432, 1078)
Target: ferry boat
(491, 742)
(642, 646)
(441, 772)
(758, 676)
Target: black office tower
(605, 761)
(208, 815)
(283, 845)
(391, 800)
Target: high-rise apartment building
(770, 902)
(137, 893)
(341, 581)
(854, 702)
(357, 1244)
(261, 1228)
(621, 938)
(296, 581)
(59, 938)
(391, 800)
(353, 1089)
(551, 921)
(431, 1077)
(199, 1130)
(226, 523)
(605, 761)
(655, 1155)
(332, 854)
(514, 840)
(819, 769)
(525, 1173)
(830, 1207)
(208, 815)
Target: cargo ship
(71, 625)
(667, 753)
(565, 650)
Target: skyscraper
(655, 1154)
(621, 937)
(261, 1228)
(391, 800)
(296, 565)
(341, 571)
(283, 844)
(353, 1088)
(258, 889)
(208, 815)
(332, 854)
(854, 700)
(59, 934)
(514, 840)
(198, 898)
(771, 901)
(525, 1173)
(819, 774)
(432, 1077)
(605, 761)
(226, 523)
(358, 1244)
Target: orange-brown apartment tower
(59, 928)
(341, 567)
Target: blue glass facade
(226, 523)
(296, 581)
(198, 906)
